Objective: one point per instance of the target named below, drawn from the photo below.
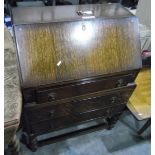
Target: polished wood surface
(77, 64)
(68, 121)
(57, 52)
(76, 107)
(140, 101)
(29, 15)
(67, 112)
(85, 87)
(75, 87)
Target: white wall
(144, 12)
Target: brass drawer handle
(120, 83)
(83, 13)
(51, 96)
(51, 113)
(86, 14)
(113, 99)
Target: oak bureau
(76, 64)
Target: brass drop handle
(51, 113)
(113, 99)
(51, 96)
(85, 13)
(120, 83)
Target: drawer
(73, 120)
(82, 88)
(41, 112)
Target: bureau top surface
(30, 15)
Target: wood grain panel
(54, 52)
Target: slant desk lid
(63, 43)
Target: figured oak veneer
(61, 51)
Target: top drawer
(85, 87)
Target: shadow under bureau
(76, 64)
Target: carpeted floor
(121, 140)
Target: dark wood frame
(32, 143)
(109, 114)
(30, 139)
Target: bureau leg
(33, 143)
(14, 146)
(112, 121)
(30, 141)
(109, 122)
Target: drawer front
(83, 88)
(41, 112)
(72, 120)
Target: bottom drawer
(68, 121)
